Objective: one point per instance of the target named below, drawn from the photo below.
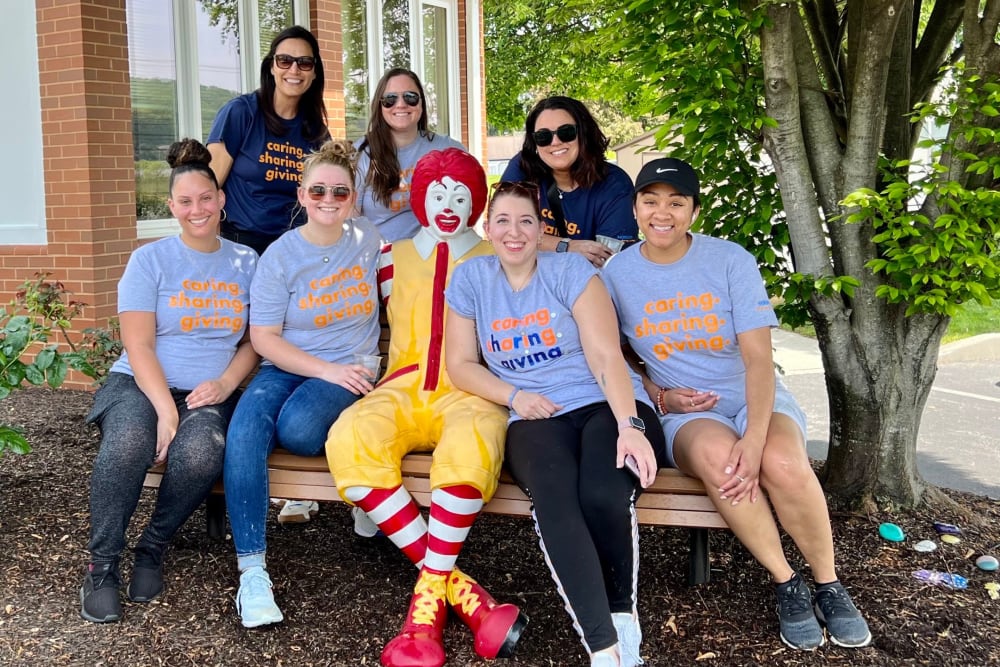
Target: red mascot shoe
(496, 627)
(419, 643)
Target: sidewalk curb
(984, 347)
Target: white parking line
(966, 394)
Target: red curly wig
(458, 165)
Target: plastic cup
(372, 364)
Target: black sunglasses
(566, 133)
(339, 192)
(389, 99)
(284, 61)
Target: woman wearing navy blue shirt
(583, 196)
(258, 140)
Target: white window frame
(377, 62)
(454, 80)
(188, 83)
(22, 174)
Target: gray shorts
(784, 403)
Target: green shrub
(39, 309)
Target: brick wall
(87, 157)
(325, 19)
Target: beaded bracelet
(660, 406)
(510, 399)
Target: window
(426, 43)
(186, 59)
(22, 180)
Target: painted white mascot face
(448, 206)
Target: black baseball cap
(671, 171)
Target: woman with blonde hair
(314, 305)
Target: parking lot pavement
(959, 442)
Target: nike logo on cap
(662, 171)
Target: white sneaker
(298, 511)
(255, 601)
(363, 524)
(604, 659)
(629, 638)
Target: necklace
(524, 283)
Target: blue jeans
(128, 445)
(277, 408)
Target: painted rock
(950, 539)
(987, 562)
(891, 532)
(947, 528)
(925, 546)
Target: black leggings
(584, 510)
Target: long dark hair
(590, 167)
(383, 172)
(311, 107)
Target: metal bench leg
(698, 569)
(215, 516)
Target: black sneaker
(799, 627)
(147, 572)
(99, 601)
(844, 622)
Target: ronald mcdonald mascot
(416, 408)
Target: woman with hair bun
(258, 140)
(315, 305)
(182, 304)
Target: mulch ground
(344, 597)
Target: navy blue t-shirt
(260, 188)
(605, 208)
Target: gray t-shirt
(200, 300)
(682, 318)
(397, 221)
(529, 338)
(324, 297)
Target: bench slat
(674, 499)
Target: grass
(972, 319)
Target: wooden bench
(674, 499)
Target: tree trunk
(877, 392)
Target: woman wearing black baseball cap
(694, 309)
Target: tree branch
(786, 144)
(933, 48)
(820, 122)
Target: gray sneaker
(799, 627)
(843, 621)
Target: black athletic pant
(583, 509)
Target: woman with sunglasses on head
(694, 309)
(314, 304)
(258, 140)
(169, 397)
(546, 328)
(398, 136)
(583, 196)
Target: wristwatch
(632, 422)
(563, 246)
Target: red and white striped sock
(397, 515)
(453, 510)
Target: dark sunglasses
(284, 61)
(566, 133)
(522, 188)
(339, 192)
(389, 99)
